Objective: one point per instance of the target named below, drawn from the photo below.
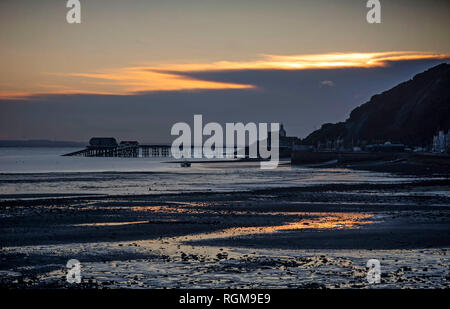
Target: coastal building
(103, 142)
(282, 131)
(331, 145)
(287, 141)
(441, 142)
(386, 147)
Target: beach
(310, 236)
(232, 152)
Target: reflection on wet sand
(157, 209)
(324, 221)
(312, 221)
(111, 223)
(307, 220)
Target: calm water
(31, 171)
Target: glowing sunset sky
(128, 48)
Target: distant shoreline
(40, 143)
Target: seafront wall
(310, 157)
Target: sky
(133, 68)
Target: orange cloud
(311, 61)
(169, 77)
(145, 79)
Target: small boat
(185, 164)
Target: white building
(441, 142)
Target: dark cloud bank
(302, 100)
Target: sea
(30, 172)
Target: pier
(108, 147)
(139, 151)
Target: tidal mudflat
(318, 236)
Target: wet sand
(306, 237)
